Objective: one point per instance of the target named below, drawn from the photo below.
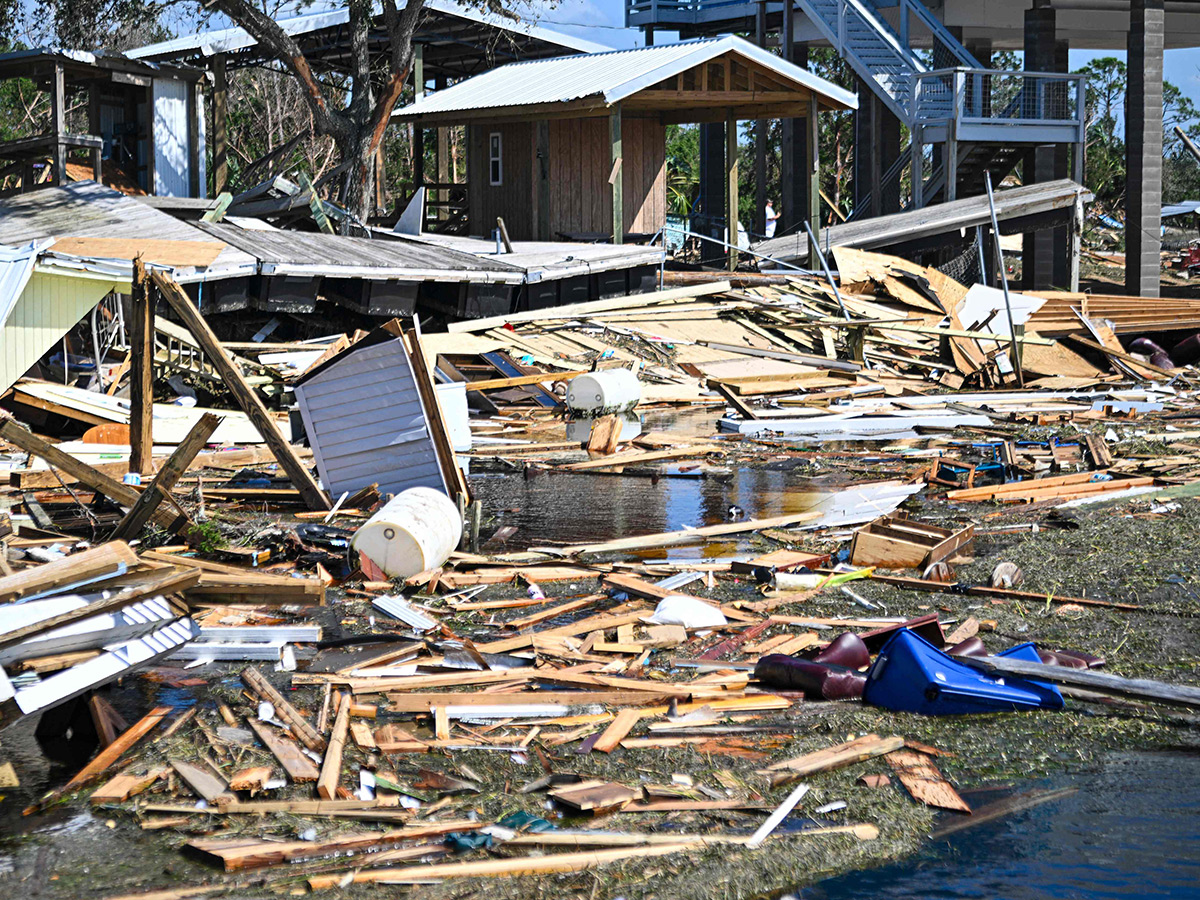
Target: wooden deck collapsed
(552, 653)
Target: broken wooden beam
(160, 488)
(97, 481)
(245, 396)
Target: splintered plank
(107, 559)
(592, 795)
(245, 396)
(204, 782)
(331, 768)
(530, 865)
(234, 854)
(253, 779)
(121, 787)
(307, 735)
(921, 777)
(616, 732)
(107, 757)
(866, 747)
(298, 766)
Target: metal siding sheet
(355, 409)
(170, 138)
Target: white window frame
(496, 158)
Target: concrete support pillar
(793, 183)
(1143, 149)
(712, 188)
(1039, 247)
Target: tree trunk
(358, 180)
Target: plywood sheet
(200, 254)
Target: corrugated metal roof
(88, 209)
(609, 77)
(225, 40)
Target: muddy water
(563, 507)
(1130, 832)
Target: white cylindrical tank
(601, 393)
(417, 530)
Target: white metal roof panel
(611, 77)
(225, 40)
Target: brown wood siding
(580, 161)
(514, 198)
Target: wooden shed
(575, 146)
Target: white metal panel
(610, 76)
(170, 137)
(364, 421)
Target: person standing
(772, 219)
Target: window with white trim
(495, 158)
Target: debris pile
(395, 677)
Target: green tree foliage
(1104, 171)
(1108, 84)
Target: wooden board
(921, 777)
(200, 254)
(298, 766)
(866, 747)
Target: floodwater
(1131, 831)
(558, 507)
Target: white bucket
(417, 530)
(601, 393)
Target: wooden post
(141, 374)
(812, 166)
(760, 134)
(249, 402)
(220, 106)
(418, 133)
(542, 180)
(443, 158)
(616, 176)
(731, 187)
(160, 488)
(58, 122)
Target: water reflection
(1129, 832)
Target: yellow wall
(49, 307)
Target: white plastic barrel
(601, 393)
(417, 530)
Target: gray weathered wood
(141, 375)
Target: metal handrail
(936, 28)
